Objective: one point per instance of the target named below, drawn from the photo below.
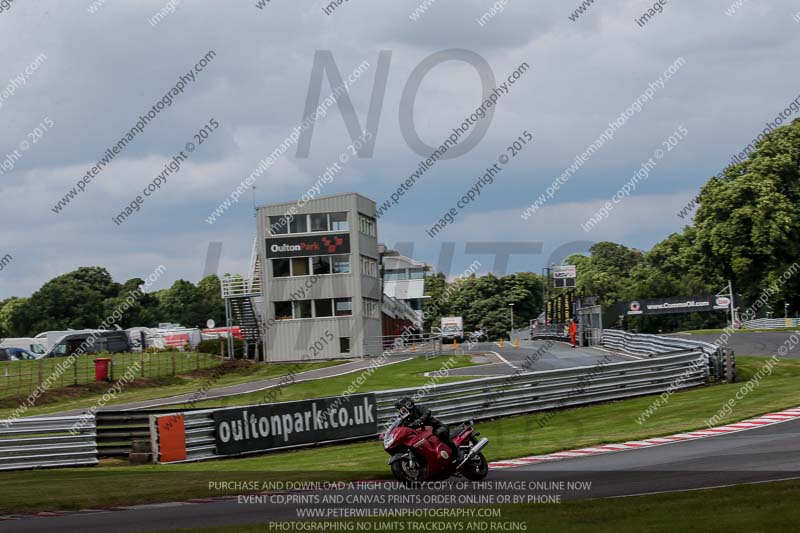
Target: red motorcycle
(418, 454)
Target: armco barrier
(116, 430)
(641, 344)
(771, 323)
(656, 345)
(483, 398)
(47, 442)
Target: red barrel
(101, 366)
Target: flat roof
(325, 197)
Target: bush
(212, 346)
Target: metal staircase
(244, 316)
(240, 295)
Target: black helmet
(405, 401)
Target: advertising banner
(564, 276)
(564, 271)
(679, 304)
(278, 425)
(308, 245)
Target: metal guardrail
(413, 344)
(656, 345)
(48, 442)
(495, 397)
(771, 323)
(536, 391)
(643, 344)
(116, 430)
(551, 331)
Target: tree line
(86, 297)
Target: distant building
(404, 279)
(314, 286)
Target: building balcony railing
(237, 286)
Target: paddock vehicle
(418, 455)
(16, 354)
(28, 344)
(89, 341)
(452, 329)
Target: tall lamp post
(786, 310)
(511, 305)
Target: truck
(452, 329)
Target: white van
(29, 344)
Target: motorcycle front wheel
(409, 470)
(476, 469)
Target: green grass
(118, 484)
(148, 388)
(762, 507)
(394, 376)
(20, 378)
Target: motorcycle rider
(417, 416)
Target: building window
(339, 221)
(316, 265)
(283, 310)
(367, 225)
(341, 264)
(302, 309)
(343, 306)
(415, 304)
(321, 264)
(300, 266)
(344, 344)
(314, 222)
(371, 308)
(281, 268)
(416, 273)
(323, 308)
(299, 224)
(395, 274)
(369, 266)
(278, 226)
(319, 221)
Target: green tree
(748, 223)
(7, 309)
(138, 308)
(211, 297)
(483, 302)
(437, 304)
(73, 300)
(606, 272)
(182, 304)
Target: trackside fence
(21, 378)
(721, 362)
(484, 398)
(47, 442)
(412, 344)
(771, 323)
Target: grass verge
(394, 376)
(85, 395)
(114, 484)
(20, 378)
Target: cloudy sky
(103, 64)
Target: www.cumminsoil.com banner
(278, 425)
(681, 304)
